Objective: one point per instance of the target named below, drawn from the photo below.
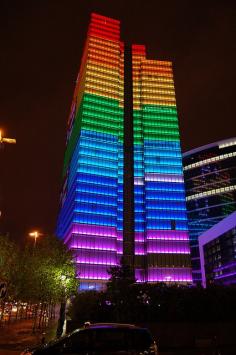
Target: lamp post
(62, 317)
(35, 235)
(6, 140)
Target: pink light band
(88, 229)
(167, 235)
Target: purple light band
(170, 275)
(99, 277)
(225, 275)
(92, 272)
(94, 230)
(95, 262)
(91, 248)
(224, 267)
(167, 235)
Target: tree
(46, 273)
(120, 291)
(8, 260)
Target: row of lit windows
(227, 144)
(99, 153)
(154, 85)
(138, 130)
(104, 114)
(156, 96)
(98, 161)
(155, 116)
(99, 136)
(102, 69)
(108, 111)
(95, 117)
(160, 131)
(104, 59)
(103, 42)
(105, 22)
(98, 122)
(89, 178)
(148, 78)
(157, 161)
(113, 82)
(206, 186)
(153, 124)
(158, 102)
(210, 160)
(101, 89)
(94, 31)
(108, 77)
(100, 27)
(103, 48)
(145, 77)
(101, 171)
(157, 109)
(152, 152)
(108, 107)
(110, 146)
(93, 198)
(96, 209)
(107, 129)
(159, 62)
(103, 52)
(96, 189)
(101, 220)
(211, 192)
(156, 91)
(145, 65)
(104, 93)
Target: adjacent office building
(218, 253)
(210, 181)
(123, 192)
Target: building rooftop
(221, 144)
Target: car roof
(112, 325)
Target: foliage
(8, 257)
(44, 273)
(141, 303)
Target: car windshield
(112, 339)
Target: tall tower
(123, 192)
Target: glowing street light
(35, 235)
(6, 140)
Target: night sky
(41, 43)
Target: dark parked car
(102, 339)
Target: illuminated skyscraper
(123, 191)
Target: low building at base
(217, 247)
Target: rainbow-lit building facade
(123, 191)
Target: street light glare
(6, 140)
(35, 235)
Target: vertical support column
(128, 217)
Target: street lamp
(62, 318)
(6, 140)
(35, 235)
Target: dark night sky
(41, 42)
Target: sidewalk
(18, 336)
